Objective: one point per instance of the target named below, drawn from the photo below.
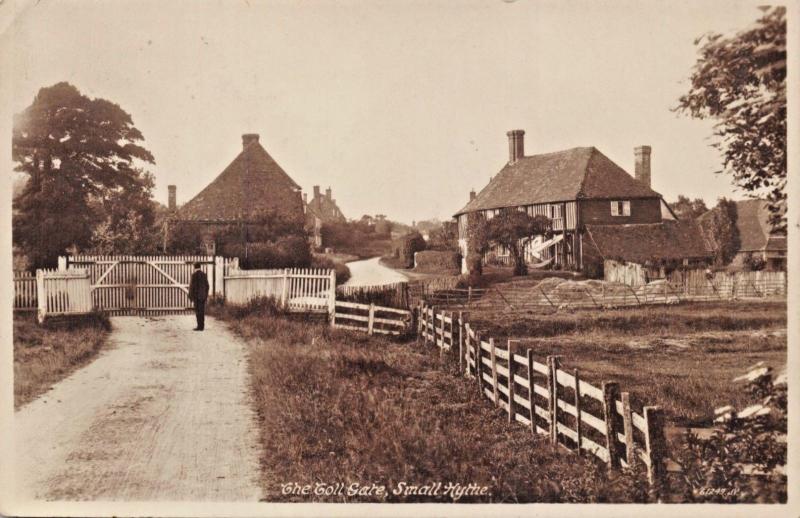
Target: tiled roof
(253, 184)
(752, 222)
(643, 242)
(582, 172)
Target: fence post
(62, 263)
(495, 391)
(469, 294)
(41, 297)
(510, 351)
(479, 363)
(627, 425)
(460, 340)
(532, 407)
(578, 427)
(656, 445)
(332, 294)
(553, 364)
(610, 395)
(371, 321)
(285, 290)
(441, 330)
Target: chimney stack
(516, 145)
(316, 191)
(328, 193)
(248, 138)
(305, 198)
(642, 164)
(172, 198)
(472, 195)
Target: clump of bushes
(286, 252)
(341, 269)
(406, 246)
(436, 260)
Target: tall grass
(44, 355)
(336, 407)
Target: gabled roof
(253, 184)
(578, 173)
(752, 221)
(638, 243)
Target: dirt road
(163, 414)
(370, 272)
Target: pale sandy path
(370, 272)
(163, 414)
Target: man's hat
(197, 265)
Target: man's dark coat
(198, 287)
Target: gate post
(219, 276)
(285, 291)
(41, 297)
(62, 263)
(331, 294)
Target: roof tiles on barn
(639, 243)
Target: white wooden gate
(125, 285)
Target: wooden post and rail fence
(550, 400)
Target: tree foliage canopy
(512, 229)
(740, 81)
(721, 233)
(82, 159)
(684, 208)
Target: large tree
(512, 229)
(684, 208)
(83, 160)
(740, 81)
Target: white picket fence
(295, 289)
(65, 292)
(25, 292)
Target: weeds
(44, 355)
(336, 407)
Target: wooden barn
(578, 188)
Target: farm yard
(681, 357)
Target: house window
(621, 208)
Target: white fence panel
(63, 293)
(297, 289)
(25, 292)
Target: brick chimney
(316, 191)
(472, 195)
(305, 198)
(516, 145)
(172, 198)
(249, 138)
(328, 193)
(642, 164)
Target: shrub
(437, 260)
(342, 271)
(406, 246)
(286, 252)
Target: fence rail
(550, 400)
(371, 319)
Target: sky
(400, 107)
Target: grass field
(46, 355)
(681, 357)
(336, 407)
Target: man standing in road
(198, 293)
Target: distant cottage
(252, 187)
(323, 207)
(598, 211)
